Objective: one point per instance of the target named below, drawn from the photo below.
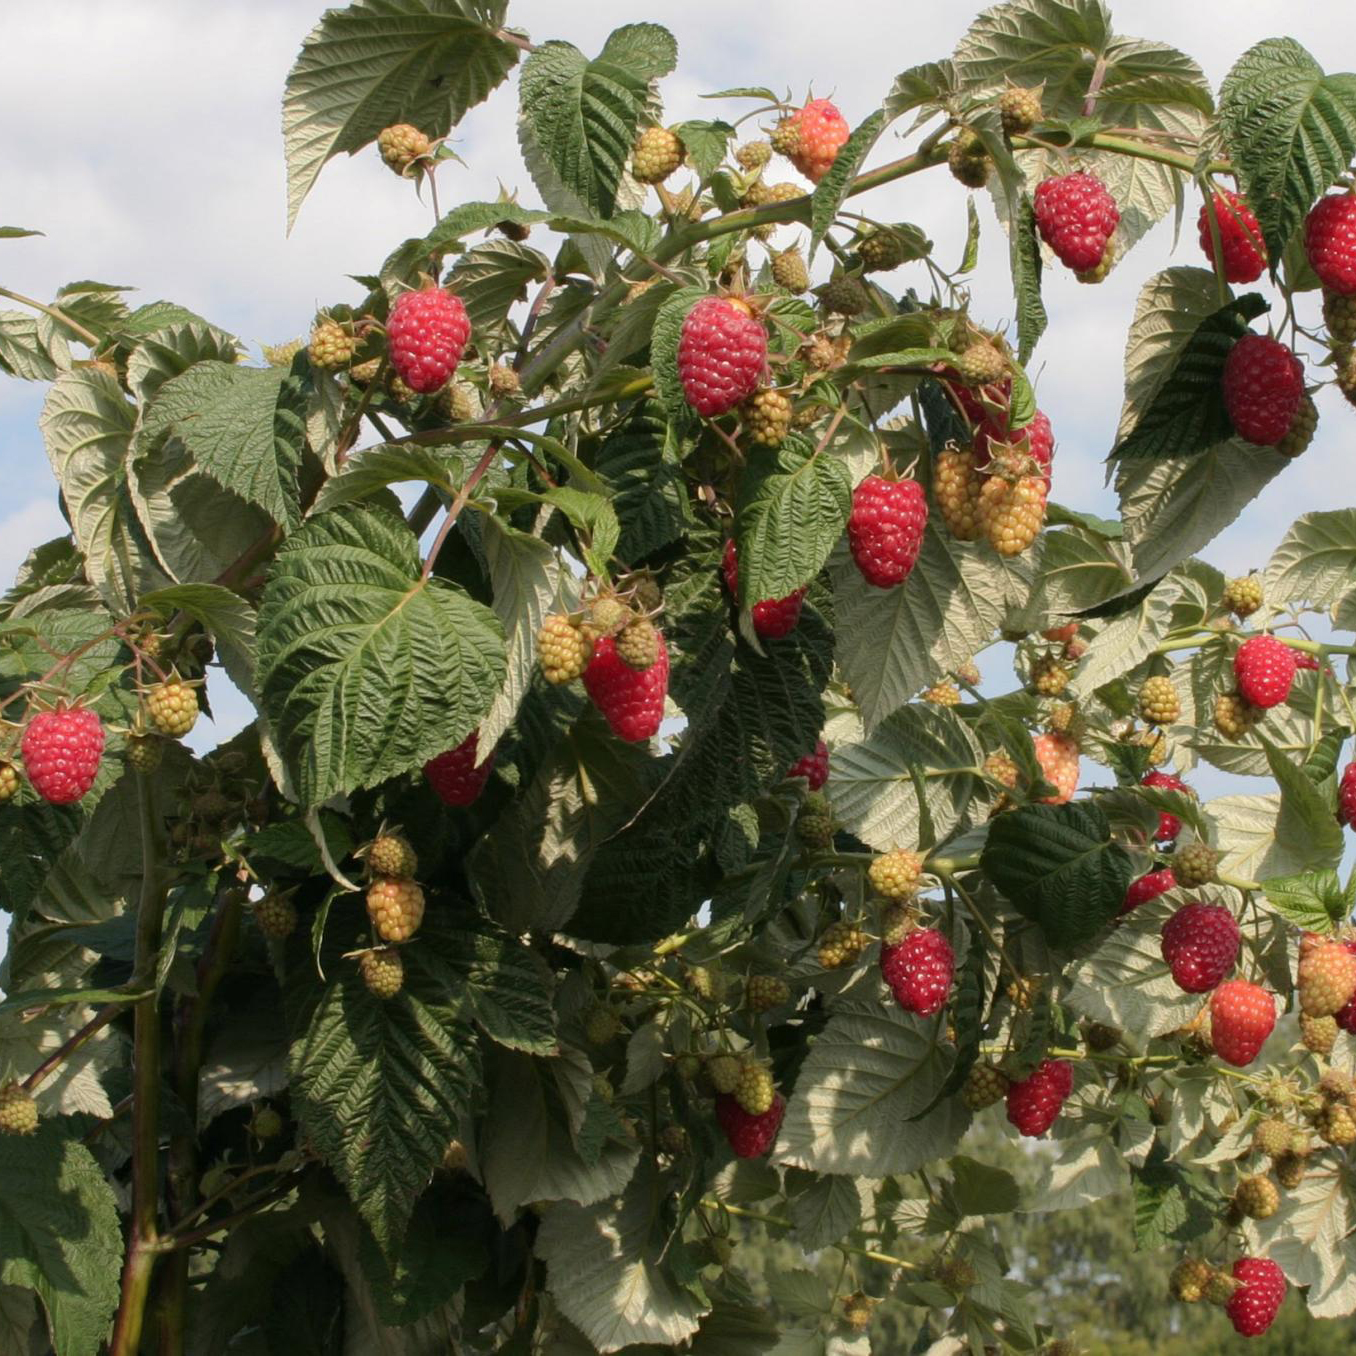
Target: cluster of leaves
(479, 1159)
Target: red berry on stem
(1040, 439)
(1330, 242)
(632, 700)
(1034, 1102)
(1169, 826)
(61, 753)
(1264, 669)
(426, 335)
(1076, 217)
(1240, 237)
(722, 351)
(1346, 1016)
(1242, 1016)
(749, 1136)
(815, 133)
(454, 776)
(1252, 1308)
(814, 767)
(885, 529)
(1346, 796)
(1148, 887)
(1200, 945)
(1263, 386)
(919, 971)
(773, 617)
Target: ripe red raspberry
(1240, 237)
(1263, 386)
(814, 767)
(1200, 945)
(1076, 217)
(772, 617)
(1169, 826)
(1148, 887)
(632, 700)
(1241, 1018)
(1346, 1018)
(722, 352)
(61, 751)
(885, 529)
(1034, 1102)
(1346, 796)
(1326, 978)
(426, 335)
(1253, 1306)
(749, 1136)
(919, 971)
(1057, 755)
(810, 138)
(1330, 241)
(1037, 439)
(1264, 668)
(454, 776)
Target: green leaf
(982, 1189)
(932, 83)
(792, 509)
(1058, 867)
(370, 64)
(16, 232)
(241, 427)
(640, 463)
(871, 1069)
(224, 613)
(827, 1210)
(1025, 258)
(603, 1266)
(1306, 828)
(168, 352)
(86, 424)
(1290, 131)
(372, 469)
(705, 144)
(1313, 900)
(469, 217)
(60, 1236)
(1315, 562)
(29, 350)
(380, 1087)
(585, 114)
(832, 189)
(365, 669)
(668, 328)
(1186, 413)
(1172, 1204)
(492, 278)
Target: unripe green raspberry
(839, 944)
(603, 1088)
(266, 1123)
(707, 982)
(1271, 1137)
(608, 614)
(1234, 716)
(1290, 1169)
(1100, 1038)
(814, 821)
(1001, 769)
(401, 145)
(1336, 1126)
(689, 1066)
(144, 753)
(276, 916)
(602, 1026)
(789, 271)
(1189, 1280)
(1301, 431)
(1159, 703)
(968, 673)
(1339, 316)
(1337, 1086)
(1048, 676)
(390, 854)
(881, 250)
(844, 296)
(457, 402)
(1066, 719)
(1019, 109)
(172, 707)
(503, 380)
(1219, 1287)
(981, 364)
(957, 1274)
(18, 1111)
(281, 355)
(1300, 1143)
(896, 922)
(967, 159)
(1257, 1197)
(638, 644)
(10, 781)
(361, 374)
(382, 970)
(331, 345)
(1243, 596)
(785, 138)
(1195, 865)
(563, 650)
(752, 155)
(984, 1086)
(658, 152)
(762, 993)
(754, 1089)
(1319, 1034)
(723, 1071)
(896, 875)
(767, 417)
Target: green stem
(88, 336)
(782, 1223)
(95, 1024)
(141, 1243)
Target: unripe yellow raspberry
(563, 650)
(18, 1111)
(401, 145)
(1234, 716)
(839, 944)
(896, 875)
(658, 152)
(382, 970)
(331, 345)
(1159, 703)
(396, 908)
(9, 781)
(1243, 596)
(942, 694)
(172, 707)
(1048, 676)
(767, 417)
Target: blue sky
(159, 165)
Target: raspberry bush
(641, 850)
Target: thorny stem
(88, 336)
(141, 1243)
